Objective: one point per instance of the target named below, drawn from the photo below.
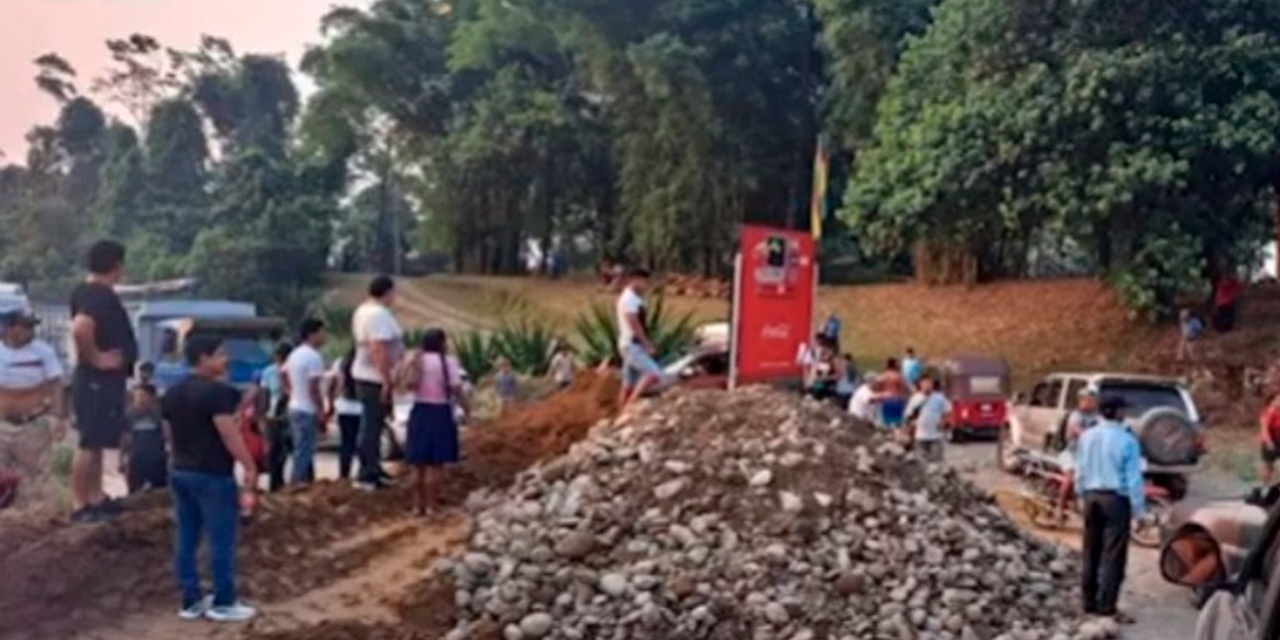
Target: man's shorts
(1270, 454)
(99, 405)
(27, 448)
(893, 412)
(637, 363)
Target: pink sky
(78, 29)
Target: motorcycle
(1043, 485)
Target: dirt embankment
(58, 579)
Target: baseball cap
(1087, 392)
(18, 317)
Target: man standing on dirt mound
(105, 353)
(379, 346)
(207, 444)
(640, 372)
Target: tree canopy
(972, 139)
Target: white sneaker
(197, 610)
(238, 612)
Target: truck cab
(247, 341)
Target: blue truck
(163, 327)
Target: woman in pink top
(432, 439)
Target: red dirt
(56, 578)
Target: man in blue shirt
(1109, 479)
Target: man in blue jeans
(303, 372)
(206, 445)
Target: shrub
(527, 345)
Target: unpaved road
(1162, 610)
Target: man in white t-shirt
(379, 345)
(640, 372)
(32, 407)
(303, 372)
(863, 404)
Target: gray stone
(576, 545)
(613, 584)
(536, 625)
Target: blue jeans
(203, 502)
(303, 427)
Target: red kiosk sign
(773, 298)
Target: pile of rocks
(752, 515)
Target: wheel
(1148, 530)
(1006, 457)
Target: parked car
(979, 389)
(1160, 411)
(1242, 604)
(702, 368)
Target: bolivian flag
(818, 197)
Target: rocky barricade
(752, 515)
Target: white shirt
(29, 366)
(933, 410)
(373, 322)
(562, 368)
(343, 405)
(629, 304)
(861, 405)
(304, 366)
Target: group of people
(905, 394)
(192, 438)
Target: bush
(527, 345)
(475, 353)
(597, 331)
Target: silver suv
(1160, 411)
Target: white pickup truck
(1160, 411)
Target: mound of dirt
(56, 578)
(752, 514)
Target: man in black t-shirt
(206, 445)
(105, 354)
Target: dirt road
(1162, 610)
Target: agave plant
(526, 344)
(475, 353)
(598, 332)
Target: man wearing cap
(32, 407)
(1084, 416)
(1109, 478)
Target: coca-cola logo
(775, 331)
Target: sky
(78, 30)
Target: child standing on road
(143, 452)
(928, 409)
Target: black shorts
(99, 406)
(1270, 454)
